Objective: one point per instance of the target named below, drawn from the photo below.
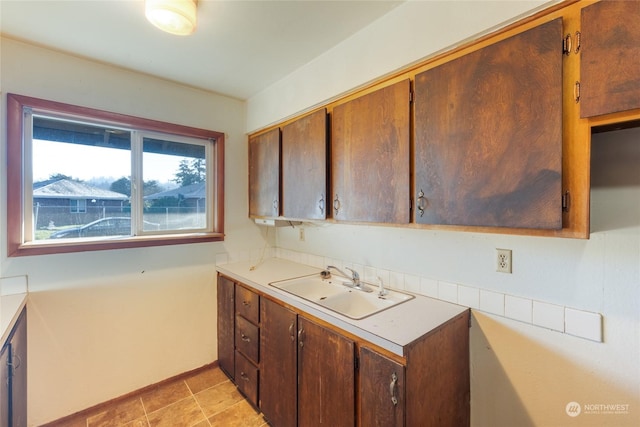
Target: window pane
(74, 169)
(174, 176)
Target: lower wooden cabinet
(311, 373)
(307, 374)
(13, 376)
(326, 376)
(246, 378)
(279, 381)
(226, 325)
(382, 387)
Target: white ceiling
(238, 49)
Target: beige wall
(102, 324)
(522, 374)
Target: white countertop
(391, 329)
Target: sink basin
(334, 294)
(358, 304)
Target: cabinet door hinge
(565, 201)
(410, 96)
(356, 363)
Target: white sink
(335, 294)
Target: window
(83, 179)
(76, 206)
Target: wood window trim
(15, 209)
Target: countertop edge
(10, 308)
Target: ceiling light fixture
(173, 16)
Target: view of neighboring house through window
(83, 176)
(86, 179)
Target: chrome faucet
(355, 278)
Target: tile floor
(207, 398)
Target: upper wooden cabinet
(304, 167)
(370, 160)
(610, 58)
(264, 174)
(488, 135)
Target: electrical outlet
(301, 234)
(503, 260)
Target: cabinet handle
(578, 35)
(246, 303)
(17, 364)
(336, 204)
(566, 44)
(301, 337)
(275, 206)
(321, 204)
(292, 333)
(392, 389)
(245, 338)
(421, 202)
(244, 376)
(576, 92)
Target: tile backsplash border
(558, 318)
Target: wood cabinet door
(304, 167)
(326, 377)
(278, 364)
(19, 368)
(610, 58)
(264, 174)
(5, 389)
(381, 390)
(226, 325)
(488, 135)
(370, 157)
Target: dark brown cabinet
(226, 325)
(5, 390)
(307, 376)
(13, 376)
(326, 376)
(370, 156)
(304, 167)
(488, 135)
(609, 46)
(382, 388)
(247, 342)
(264, 174)
(279, 373)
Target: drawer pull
(392, 389)
(246, 303)
(245, 338)
(244, 376)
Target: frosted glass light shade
(173, 16)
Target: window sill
(85, 245)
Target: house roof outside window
(70, 189)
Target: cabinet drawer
(247, 304)
(247, 338)
(247, 378)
